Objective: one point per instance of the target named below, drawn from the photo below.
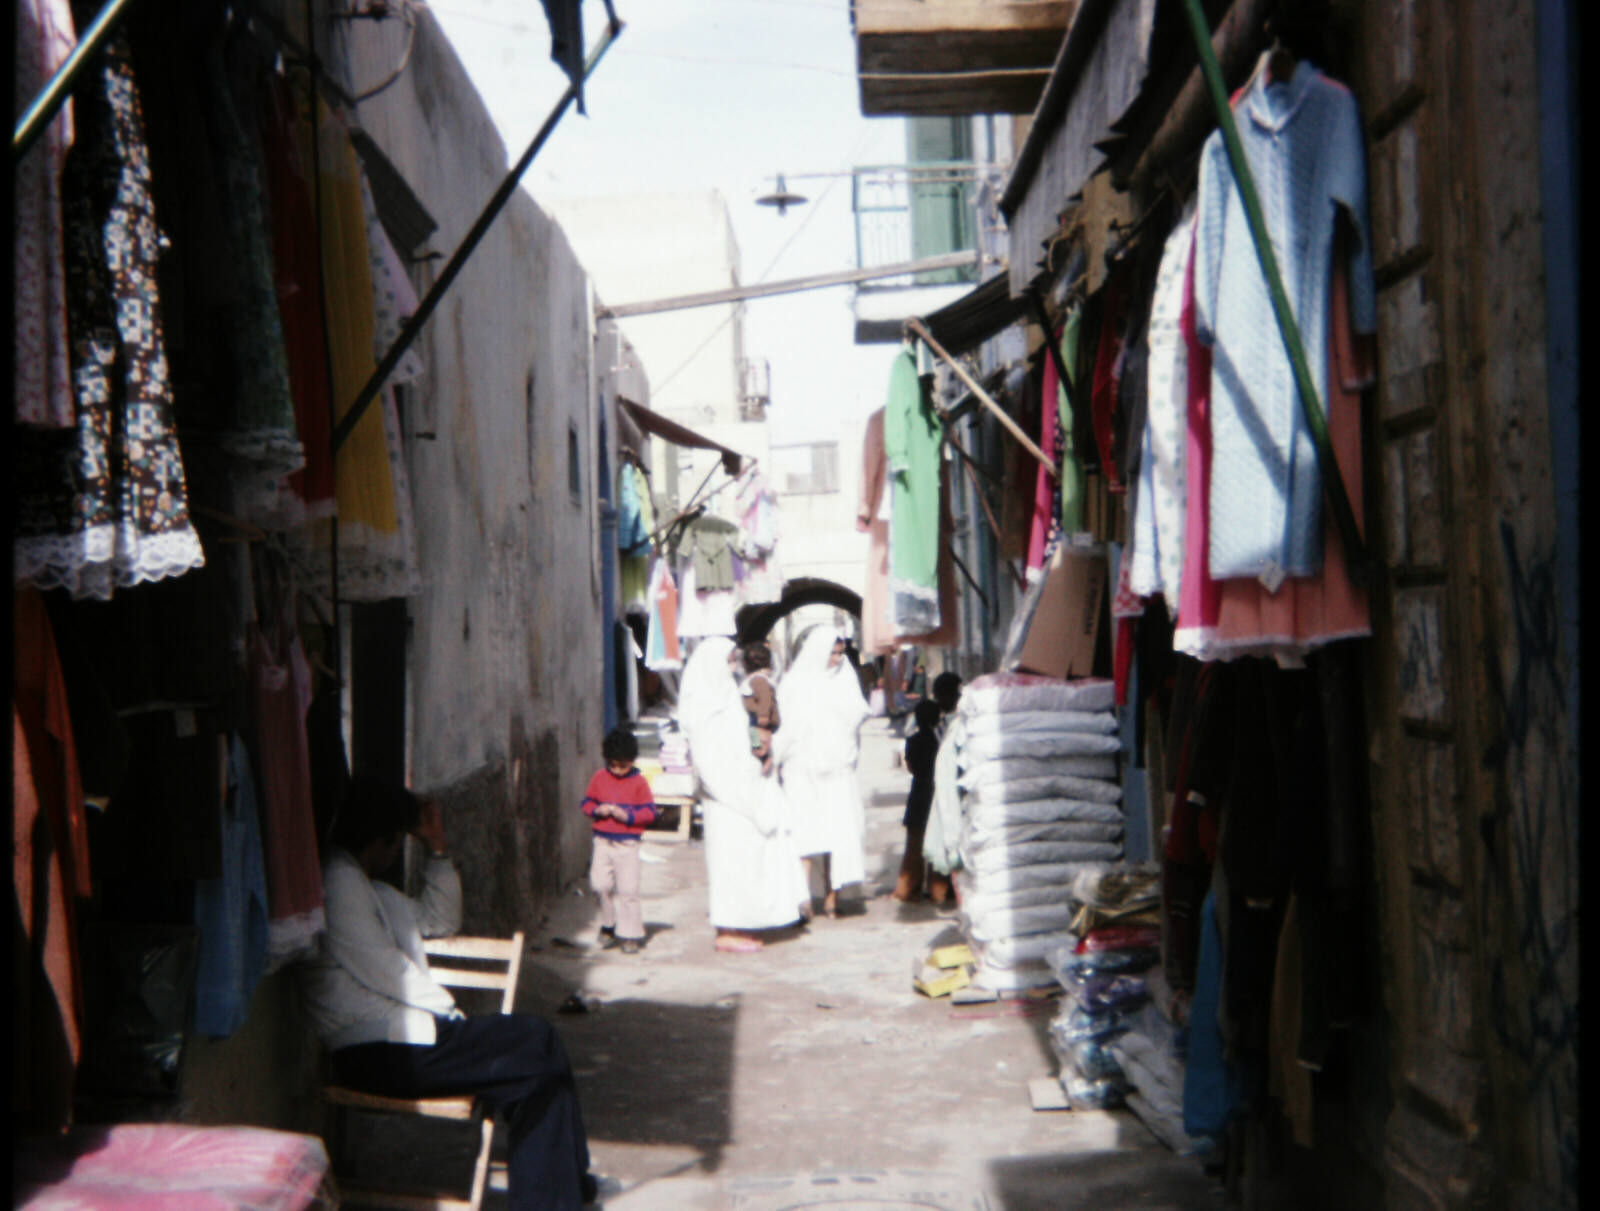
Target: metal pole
(1028, 444)
(738, 294)
(1355, 551)
(469, 245)
(44, 107)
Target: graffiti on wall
(1531, 845)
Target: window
(807, 470)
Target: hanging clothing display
(636, 521)
(230, 911)
(711, 547)
(1303, 140)
(41, 374)
(281, 680)
(912, 436)
(300, 301)
(756, 507)
(377, 542)
(1198, 597)
(1058, 504)
(50, 870)
(872, 518)
(1157, 561)
(661, 652)
(260, 433)
(704, 613)
(104, 505)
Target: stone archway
(756, 622)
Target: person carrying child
(621, 805)
(921, 751)
(760, 700)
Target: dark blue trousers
(515, 1062)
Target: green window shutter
(941, 218)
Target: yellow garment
(364, 485)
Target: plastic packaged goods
(1119, 993)
(992, 771)
(997, 745)
(1034, 853)
(1005, 692)
(1085, 1094)
(982, 836)
(1081, 969)
(1095, 1061)
(1117, 886)
(1119, 937)
(1041, 811)
(1040, 723)
(1049, 786)
(1073, 1022)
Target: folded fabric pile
(1116, 942)
(1036, 762)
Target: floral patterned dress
(104, 505)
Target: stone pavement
(811, 1074)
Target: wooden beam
(952, 53)
(961, 16)
(949, 94)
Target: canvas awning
(977, 315)
(680, 435)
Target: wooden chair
(456, 962)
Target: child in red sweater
(620, 803)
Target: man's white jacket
(369, 981)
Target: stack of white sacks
(1036, 799)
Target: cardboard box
(1065, 622)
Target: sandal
(737, 944)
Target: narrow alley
(811, 1074)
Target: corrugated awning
(977, 315)
(679, 435)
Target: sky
(714, 94)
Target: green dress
(911, 439)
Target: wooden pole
(982, 396)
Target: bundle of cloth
(1026, 795)
(1115, 1045)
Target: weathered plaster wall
(1475, 775)
(505, 647)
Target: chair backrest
(493, 963)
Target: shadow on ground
(1135, 1179)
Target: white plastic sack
(1042, 811)
(1013, 952)
(1027, 744)
(1053, 786)
(984, 836)
(1007, 769)
(1001, 692)
(1012, 979)
(1041, 723)
(976, 900)
(1054, 875)
(1037, 853)
(986, 924)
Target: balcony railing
(906, 211)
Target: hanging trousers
(516, 1063)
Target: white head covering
(708, 685)
(822, 708)
(712, 715)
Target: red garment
(631, 791)
(1199, 600)
(299, 272)
(49, 866)
(281, 680)
(1044, 488)
(1103, 400)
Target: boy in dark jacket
(922, 747)
(620, 803)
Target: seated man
(393, 1030)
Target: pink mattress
(172, 1167)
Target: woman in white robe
(816, 751)
(752, 867)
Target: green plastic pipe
(45, 105)
(1344, 517)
